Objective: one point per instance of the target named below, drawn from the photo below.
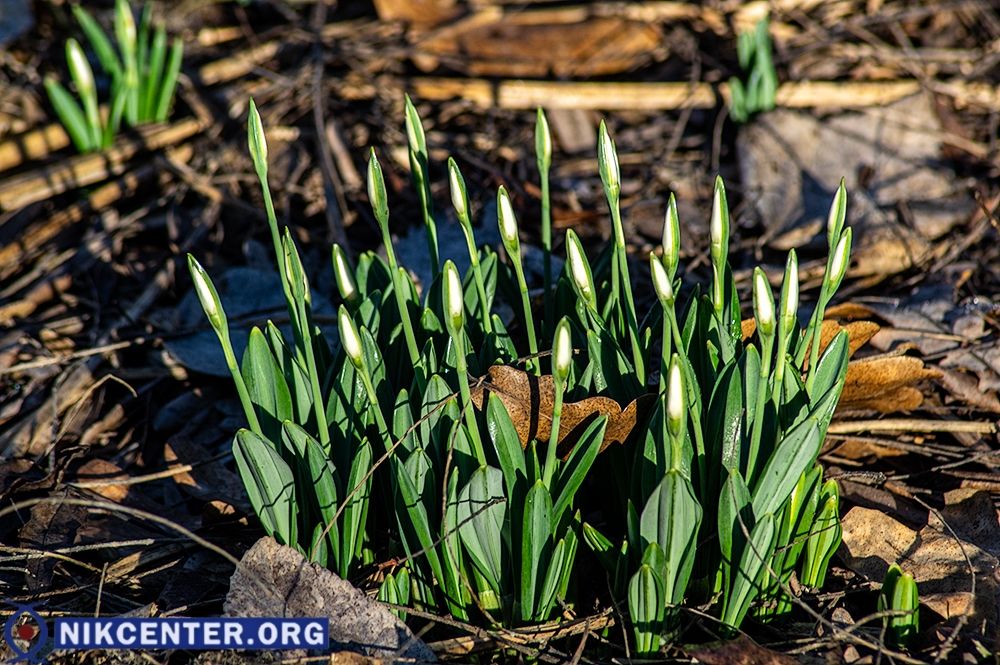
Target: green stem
(477, 274)
(767, 344)
(411, 340)
(376, 408)
(463, 388)
(817, 329)
(625, 282)
(547, 248)
(241, 386)
(550, 454)
(529, 321)
(319, 403)
(666, 351)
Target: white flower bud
(207, 295)
(841, 257)
(543, 141)
(376, 192)
(790, 289)
(256, 140)
(414, 128)
(661, 281)
(763, 303)
(349, 338)
(562, 350)
(607, 161)
(454, 297)
(671, 237)
(838, 213)
(459, 196)
(125, 26)
(580, 269)
(79, 68)
(345, 277)
(720, 222)
(676, 399)
(508, 224)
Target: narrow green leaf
(481, 513)
(266, 385)
(270, 485)
(70, 115)
(535, 544)
(576, 467)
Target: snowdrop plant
(143, 74)
(484, 518)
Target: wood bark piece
(532, 44)
(83, 170)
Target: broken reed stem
(656, 96)
(914, 425)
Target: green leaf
(557, 564)
(98, 40)
(323, 476)
(646, 598)
(796, 452)
(357, 493)
(536, 540)
(266, 385)
(734, 515)
(169, 83)
(506, 443)
(832, 364)
(671, 519)
(481, 512)
(576, 467)
(151, 81)
(824, 536)
(70, 115)
(269, 483)
(752, 575)
(725, 414)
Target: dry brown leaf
(938, 561)
(540, 44)
(859, 333)
(885, 383)
(421, 12)
(529, 401)
(740, 651)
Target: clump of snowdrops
(716, 495)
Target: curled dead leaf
(883, 383)
(529, 400)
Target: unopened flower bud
(841, 257)
(580, 269)
(661, 281)
(763, 303)
(459, 195)
(838, 214)
(79, 68)
(671, 237)
(207, 295)
(676, 399)
(257, 141)
(720, 222)
(414, 128)
(508, 224)
(349, 338)
(607, 162)
(562, 350)
(344, 275)
(543, 141)
(790, 290)
(454, 298)
(376, 192)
